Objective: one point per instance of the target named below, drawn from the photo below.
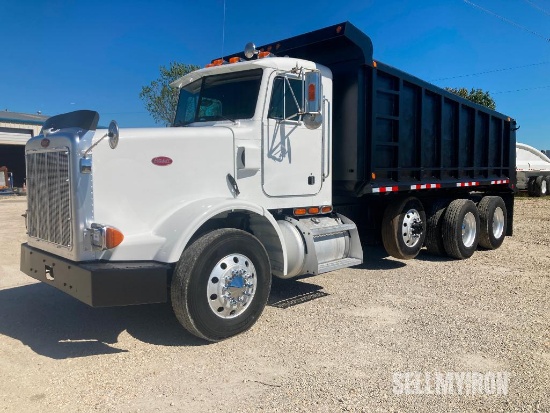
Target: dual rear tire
(455, 228)
(404, 228)
(539, 186)
(460, 229)
(493, 221)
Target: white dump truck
(532, 170)
(282, 160)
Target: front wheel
(221, 284)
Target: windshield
(228, 96)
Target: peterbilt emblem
(161, 161)
(45, 142)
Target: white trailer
(532, 170)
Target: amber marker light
(113, 237)
(300, 211)
(261, 55)
(313, 210)
(105, 237)
(234, 60)
(326, 209)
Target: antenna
(223, 27)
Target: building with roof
(15, 130)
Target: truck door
(292, 153)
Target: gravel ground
(342, 341)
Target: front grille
(48, 196)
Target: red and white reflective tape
(385, 189)
(463, 184)
(426, 186)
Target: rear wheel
(434, 240)
(493, 221)
(404, 228)
(540, 187)
(221, 284)
(460, 229)
(547, 180)
(531, 186)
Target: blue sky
(60, 56)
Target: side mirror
(313, 100)
(113, 133)
(313, 93)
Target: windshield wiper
(180, 123)
(226, 118)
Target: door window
(286, 99)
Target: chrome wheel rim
(469, 229)
(411, 229)
(498, 222)
(543, 187)
(231, 286)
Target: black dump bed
(395, 132)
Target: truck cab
(278, 154)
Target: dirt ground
(342, 341)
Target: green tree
(475, 95)
(159, 97)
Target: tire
(540, 187)
(404, 228)
(221, 284)
(493, 222)
(434, 220)
(460, 229)
(547, 179)
(531, 186)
